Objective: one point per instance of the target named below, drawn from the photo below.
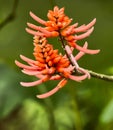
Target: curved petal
(56, 77)
(31, 84)
(48, 94)
(34, 32)
(31, 72)
(78, 78)
(26, 59)
(81, 53)
(36, 18)
(88, 51)
(83, 71)
(53, 91)
(25, 66)
(84, 35)
(38, 28)
(85, 27)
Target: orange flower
(57, 19)
(50, 65)
(58, 24)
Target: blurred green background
(78, 106)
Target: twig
(11, 16)
(101, 76)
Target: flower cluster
(49, 64)
(58, 24)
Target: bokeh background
(78, 106)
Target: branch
(101, 76)
(11, 16)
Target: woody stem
(63, 46)
(63, 43)
(92, 73)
